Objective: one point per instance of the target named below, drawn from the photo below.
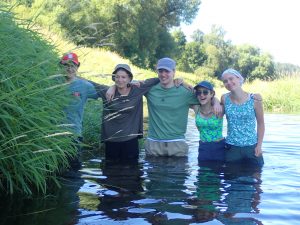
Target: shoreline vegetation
(34, 145)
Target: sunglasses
(205, 92)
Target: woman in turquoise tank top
(245, 121)
(210, 126)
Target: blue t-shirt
(80, 90)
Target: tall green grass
(279, 96)
(34, 145)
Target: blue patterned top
(210, 128)
(241, 122)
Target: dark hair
(122, 69)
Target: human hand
(258, 151)
(217, 109)
(136, 83)
(110, 94)
(178, 82)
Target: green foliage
(136, 29)
(180, 41)
(193, 57)
(198, 36)
(220, 53)
(254, 65)
(140, 31)
(34, 145)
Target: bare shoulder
(257, 97)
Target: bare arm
(259, 112)
(111, 93)
(217, 107)
(223, 103)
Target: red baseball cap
(70, 57)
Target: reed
(34, 145)
(279, 96)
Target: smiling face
(231, 82)
(166, 77)
(204, 95)
(122, 78)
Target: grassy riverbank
(33, 144)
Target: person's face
(122, 78)
(204, 95)
(70, 69)
(165, 77)
(231, 82)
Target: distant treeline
(143, 31)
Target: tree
(192, 57)
(286, 69)
(198, 36)
(254, 65)
(220, 53)
(180, 40)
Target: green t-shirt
(168, 111)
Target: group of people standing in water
(169, 101)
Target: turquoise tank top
(241, 122)
(210, 129)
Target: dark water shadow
(59, 207)
(242, 185)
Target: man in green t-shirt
(168, 108)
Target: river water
(176, 191)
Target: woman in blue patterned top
(245, 121)
(210, 126)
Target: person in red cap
(80, 90)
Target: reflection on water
(163, 190)
(60, 207)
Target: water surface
(177, 190)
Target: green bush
(34, 145)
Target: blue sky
(271, 25)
